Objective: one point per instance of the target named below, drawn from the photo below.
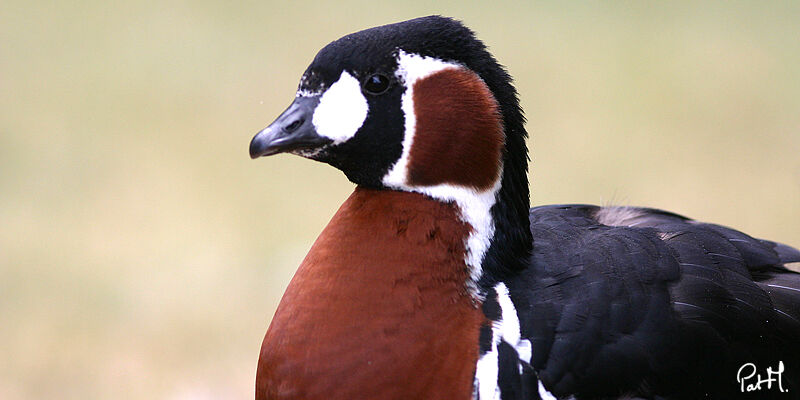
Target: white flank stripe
(486, 375)
(505, 329)
(544, 394)
(510, 328)
(524, 351)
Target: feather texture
(653, 300)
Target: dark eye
(376, 84)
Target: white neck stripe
(475, 206)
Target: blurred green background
(142, 253)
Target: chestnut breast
(378, 308)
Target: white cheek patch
(341, 111)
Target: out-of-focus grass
(142, 253)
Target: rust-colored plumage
(378, 303)
(459, 134)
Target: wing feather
(629, 301)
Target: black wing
(630, 301)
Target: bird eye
(376, 84)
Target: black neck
(513, 242)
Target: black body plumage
(656, 306)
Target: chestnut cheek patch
(459, 136)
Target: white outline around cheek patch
(475, 206)
(410, 69)
(341, 111)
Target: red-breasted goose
(435, 280)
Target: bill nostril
(293, 125)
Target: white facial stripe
(475, 206)
(341, 111)
(305, 92)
